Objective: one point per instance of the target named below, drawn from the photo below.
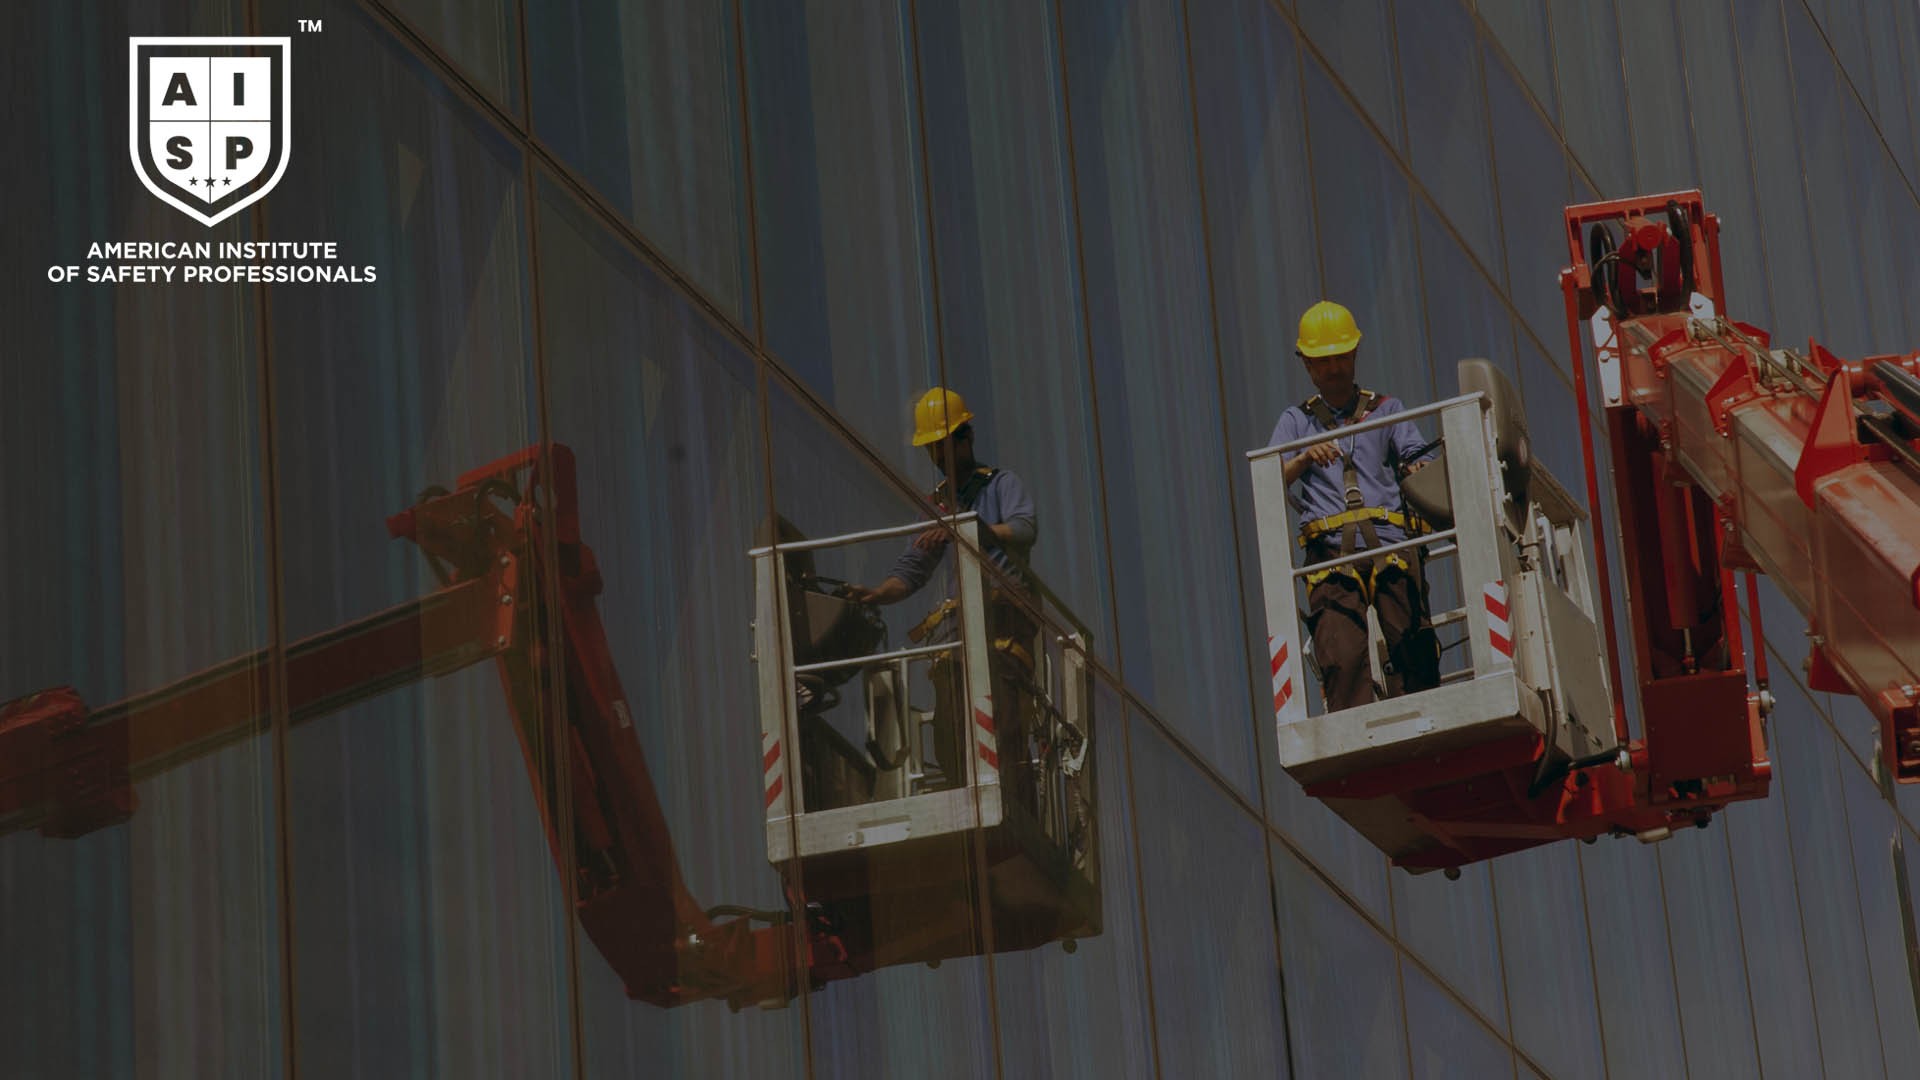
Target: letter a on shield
(209, 120)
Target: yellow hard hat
(937, 414)
(1327, 329)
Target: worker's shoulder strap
(1317, 407)
(1368, 402)
(971, 486)
(974, 484)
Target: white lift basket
(1534, 658)
(879, 827)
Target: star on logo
(191, 183)
(227, 180)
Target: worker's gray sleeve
(1012, 507)
(915, 566)
(1004, 502)
(1405, 435)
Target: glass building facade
(717, 247)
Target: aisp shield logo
(209, 120)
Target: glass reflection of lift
(878, 835)
(1499, 756)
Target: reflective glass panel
(1447, 139)
(1084, 1013)
(1373, 269)
(1709, 966)
(843, 246)
(1872, 825)
(1586, 46)
(1446, 1041)
(1888, 101)
(1357, 43)
(643, 103)
(1451, 926)
(1156, 375)
(1826, 112)
(1519, 27)
(1769, 899)
(1657, 99)
(1807, 782)
(659, 409)
(1798, 310)
(1720, 137)
(482, 39)
(1344, 1015)
(1012, 319)
(1904, 43)
(1217, 1004)
(135, 557)
(1531, 172)
(425, 890)
(1634, 976)
(1544, 946)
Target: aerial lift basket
(1428, 776)
(878, 827)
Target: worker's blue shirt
(1321, 490)
(1001, 500)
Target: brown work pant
(1337, 616)
(1010, 643)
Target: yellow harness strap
(1321, 526)
(1365, 582)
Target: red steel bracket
(1734, 388)
(1832, 442)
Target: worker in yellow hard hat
(943, 424)
(1347, 493)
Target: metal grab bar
(1369, 425)
(862, 537)
(856, 661)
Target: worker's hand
(934, 539)
(1325, 453)
(887, 592)
(1417, 466)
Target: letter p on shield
(209, 120)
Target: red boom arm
(69, 771)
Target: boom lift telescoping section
(1729, 454)
(68, 770)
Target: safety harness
(1358, 519)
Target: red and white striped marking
(770, 767)
(985, 739)
(1499, 629)
(1282, 676)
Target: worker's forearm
(891, 591)
(1017, 532)
(1295, 467)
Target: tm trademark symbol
(309, 26)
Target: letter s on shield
(209, 120)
